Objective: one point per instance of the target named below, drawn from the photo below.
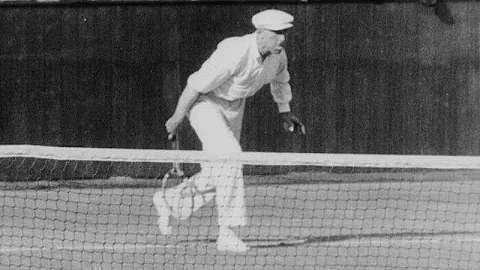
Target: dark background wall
(368, 78)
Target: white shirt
(235, 71)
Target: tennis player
(214, 101)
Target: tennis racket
(176, 170)
(180, 199)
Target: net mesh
(80, 208)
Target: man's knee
(223, 146)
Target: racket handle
(174, 141)
(172, 137)
(175, 144)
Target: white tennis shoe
(228, 241)
(163, 214)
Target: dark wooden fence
(368, 78)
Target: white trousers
(218, 125)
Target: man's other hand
(291, 123)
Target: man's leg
(217, 137)
(184, 199)
(164, 213)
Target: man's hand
(291, 123)
(172, 125)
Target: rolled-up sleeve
(215, 70)
(280, 86)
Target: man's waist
(223, 102)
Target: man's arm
(282, 95)
(185, 102)
(213, 72)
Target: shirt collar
(255, 53)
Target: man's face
(273, 41)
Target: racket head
(178, 199)
(175, 189)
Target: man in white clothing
(214, 101)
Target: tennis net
(85, 208)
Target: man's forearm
(185, 102)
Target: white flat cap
(272, 19)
